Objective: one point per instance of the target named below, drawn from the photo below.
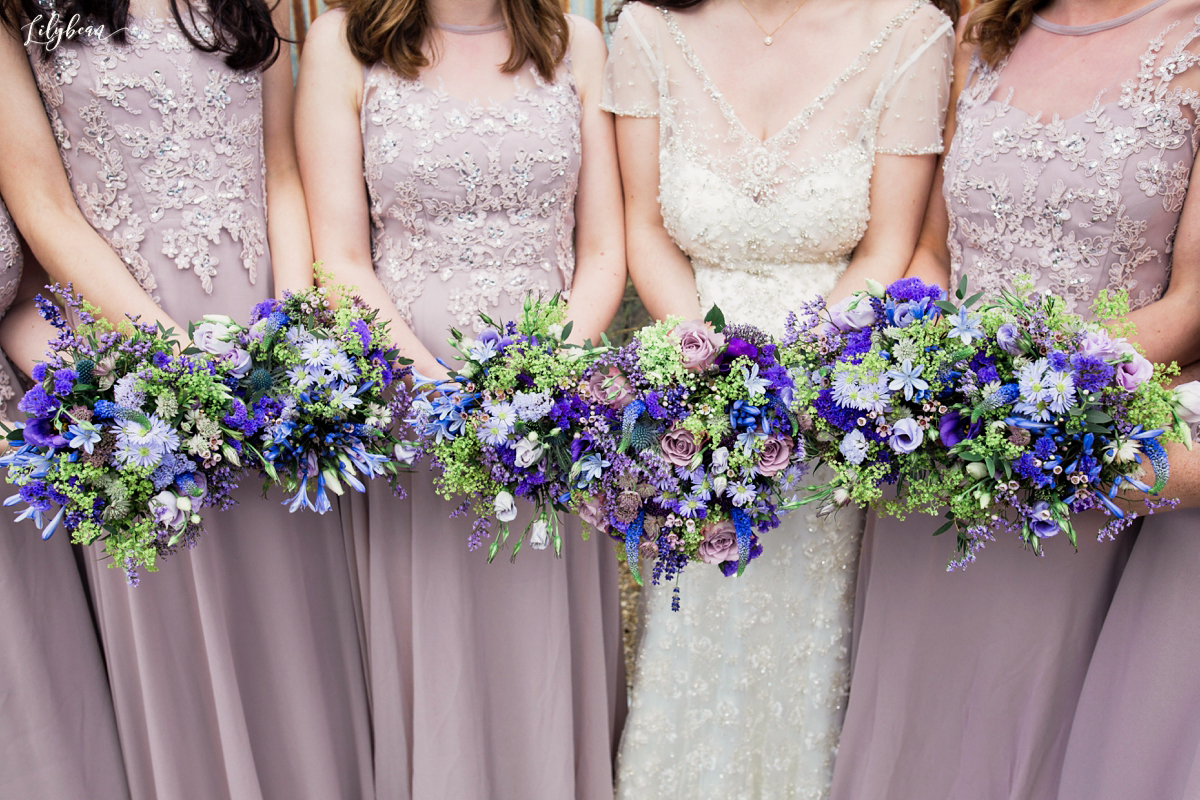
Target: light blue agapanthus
(965, 327)
(84, 436)
(754, 384)
(591, 468)
(907, 378)
(483, 350)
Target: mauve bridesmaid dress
(236, 670)
(965, 685)
(58, 738)
(505, 680)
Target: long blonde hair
(996, 25)
(395, 32)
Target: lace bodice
(474, 199)
(163, 145)
(10, 279)
(1083, 190)
(792, 208)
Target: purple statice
(914, 290)
(64, 380)
(1027, 468)
(38, 373)
(858, 343)
(364, 333)
(37, 403)
(1092, 374)
(834, 414)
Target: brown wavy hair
(396, 32)
(995, 26)
(951, 8)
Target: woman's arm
(329, 145)
(599, 215)
(287, 217)
(34, 185)
(931, 258)
(24, 335)
(899, 195)
(661, 273)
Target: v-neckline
(805, 114)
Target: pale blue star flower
(907, 378)
(754, 384)
(84, 436)
(965, 327)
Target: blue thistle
(628, 420)
(260, 380)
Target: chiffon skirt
(236, 669)
(1137, 729)
(964, 685)
(58, 738)
(502, 681)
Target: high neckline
(472, 30)
(1084, 30)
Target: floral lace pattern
(1081, 204)
(10, 279)
(741, 693)
(156, 118)
(479, 198)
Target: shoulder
(326, 38)
(587, 42)
(640, 15)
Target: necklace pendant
(767, 41)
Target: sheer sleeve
(633, 74)
(915, 95)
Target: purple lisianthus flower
(1008, 338)
(1042, 521)
(41, 433)
(740, 347)
(852, 314)
(1133, 373)
(906, 436)
(1099, 344)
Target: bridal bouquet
(1013, 413)
(124, 440)
(317, 390)
(501, 428)
(686, 446)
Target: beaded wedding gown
(740, 694)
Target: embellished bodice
(10, 279)
(163, 145)
(471, 204)
(774, 222)
(1079, 203)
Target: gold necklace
(767, 35)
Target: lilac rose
(679, 446)
(609, 387)
(699, 343)
(212, 338)
(775, 455)
(719, 543)
(592, 512)
(239, 361)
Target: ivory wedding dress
(740, 694)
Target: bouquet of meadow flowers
(685, 445)
(317, 390)
(500, 429)
(1013, 413)
(124, 440)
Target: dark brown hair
(995, 26)
(397, 31)
(241, 29)
(951, 8)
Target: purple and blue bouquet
(685, 446)
(125, 440)
(500, 429)
(1013, 413)
(317, 390)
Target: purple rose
(1098, 344)
(679, 446)
(853, 314)
(699, 343)
(609, 387)
(1042, 522)
(1133, 373)
(906, 436)
(592, 512)
(719, 543)
(775, 455)
(1008, 339)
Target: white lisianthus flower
(505, 507)
(539, 534)
(528, 452)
